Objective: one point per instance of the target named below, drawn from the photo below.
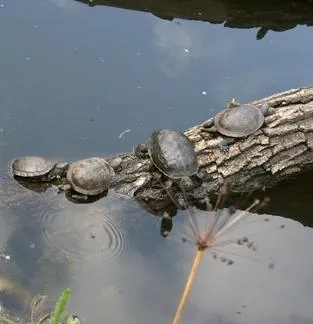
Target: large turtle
(38, 168)
(236, 121)
(171, 152)
(89, 177)
(174, 156)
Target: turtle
(172, 153)
(38, 168)
(237, 121)
(88, 177)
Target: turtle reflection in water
(236, 121)
(172, 153)
(89, 177)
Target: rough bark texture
(280, 149)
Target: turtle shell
(32, 166)
(239, 121)
(90, 176)
(172, 153)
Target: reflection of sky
(248, 287)
(142, 284)
(74, 77)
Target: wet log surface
(280, 149)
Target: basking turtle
(236, 121)
(171, 152)
(89, 177)
(174, 156)
(38, 168)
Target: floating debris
(271, 265)
(124, 133)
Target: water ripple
(83, 232)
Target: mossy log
(280, 149)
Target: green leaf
(60, 307)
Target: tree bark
(281, 148)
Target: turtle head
(264, 109)
(232, 104)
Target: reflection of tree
(273, 15)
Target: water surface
(73, 78)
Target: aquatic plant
(6, 320)
(218, 223)
(60, 309)
(57, 316)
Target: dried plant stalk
(191, 277)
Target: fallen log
(282, 148)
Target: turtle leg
(200, 177)
(115, 163)
(59, 171)
(168, 187)
(224, 144)
(208, 124)
(141, 151)
(196, 180)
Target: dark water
(72, 79)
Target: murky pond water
(78, 81)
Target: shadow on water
(293, 199)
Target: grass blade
(60, 307)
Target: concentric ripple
(83, 232)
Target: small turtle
(38, 168)
(236, 121)
(89, 177)
(174, 156)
